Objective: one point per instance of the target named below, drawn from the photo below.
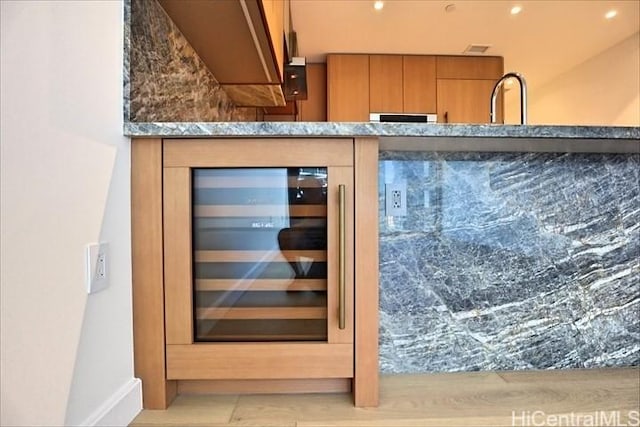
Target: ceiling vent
(476, 49)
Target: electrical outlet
(97, 268)
(396, 199)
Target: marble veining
(510, 261)
(165, 80)
(321, 129)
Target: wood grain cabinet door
(259, 267)
(348, 88)
(464, 86)
(465, 101)
(385, 84)
(469, 67)
(314, 108)
(419, 84)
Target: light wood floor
(457, 399)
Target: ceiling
(544, 40)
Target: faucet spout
(523, 96)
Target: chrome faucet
(523, 96)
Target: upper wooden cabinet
(465, 85)
(385, 84)
(348, 88)
(419, 84)
(360, 84)
(465, 101)
(242, 44)
(402, 84)
(314, 108)
(469, 67)
(457, 88)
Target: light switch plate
(396, 199)
(97, 267)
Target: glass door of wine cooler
(259, 239)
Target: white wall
(66, 356)
(604, 90)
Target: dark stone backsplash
(166, 79)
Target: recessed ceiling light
(378, 5)
(611, 14)
(516, 10)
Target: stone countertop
(350, 129)
(417, 137)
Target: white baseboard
(120, 409)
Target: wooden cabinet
(348, 88)
(390, 84)
(469, 67)
(314, 108)
(385, 84)
(402, 84)
(453, 86)
(465, 101)
(464, 87)
(419, 84)
(255, 259)
(271, 294)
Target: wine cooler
(259, 250)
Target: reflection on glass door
(260, 254)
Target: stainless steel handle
(341, 256)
